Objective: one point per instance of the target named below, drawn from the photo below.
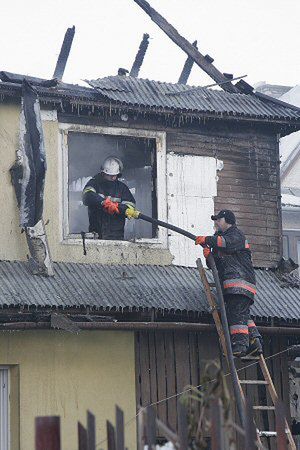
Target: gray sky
(255, 37)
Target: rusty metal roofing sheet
(168, 288)
(155, 94)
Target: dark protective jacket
(233, 260)
(95, 191)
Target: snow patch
(166, 446)
(289, 199)
(290, 142)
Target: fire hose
(219, 293)
(211, 263)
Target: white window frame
(5, 404)
(298, 252)
(161, 240)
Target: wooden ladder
(267, 381)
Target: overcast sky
(255, 37)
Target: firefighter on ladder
(233, 260)
(109, 201)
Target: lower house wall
(64, 374)
(168, 362)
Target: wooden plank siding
(168, 362)
(248, 184)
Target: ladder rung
(267, 433)
(270, 433)
(249, 358)
(258, 359)
(264, 408)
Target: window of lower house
(85, 149)
(285, 245)
(291, 246)
(298, 253)
(4, 408)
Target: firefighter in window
(109, 201)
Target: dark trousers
(242, 327)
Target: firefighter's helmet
(112, 166)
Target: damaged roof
(127, 92)
(118, 287)
(155, 94)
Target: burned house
(185, 156)
(127, 322)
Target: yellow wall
(65, 374)
(12, 243)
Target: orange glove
(110, 207)
(206, 252)
(200, 240)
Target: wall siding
(169, 362)
(248, 184)
(65, 374)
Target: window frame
(7, 438)
(66, 237)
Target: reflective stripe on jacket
(232, 254)
(95, 191)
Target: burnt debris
(137, 64)
(64, 53)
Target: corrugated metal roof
(155, 94)
(167, 288)
(61, 91)
(137, 92)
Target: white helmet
(112, 166)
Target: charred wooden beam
(137, 64)
(122, 72)
(186, 46)
(16, 78)
(187, 68)
(64, 53)
(244, 87)
(209, 58)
